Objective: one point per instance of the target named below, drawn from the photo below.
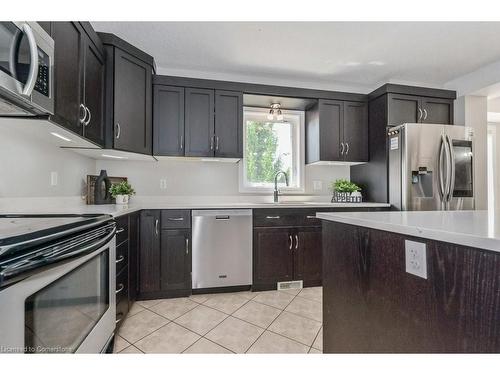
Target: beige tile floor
(244, 322)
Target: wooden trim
(412, 90)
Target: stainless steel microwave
(26, 70)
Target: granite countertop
(480, 229)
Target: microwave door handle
(33, 74)
(451, 186)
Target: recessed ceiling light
(352, 63)
(376, 63)
(60, 136)
(114, 156)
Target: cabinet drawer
(122, 256)
(175, 219)
(121, 229)
(285, 217)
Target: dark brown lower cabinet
(164, 255)
(176, 262)
(370, 303)
(286, 254)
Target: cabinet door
(134, 246)
(176, 261)
(68, 88)
(94, 92)
(273, 257)
(308, 255)
(149, 254)
(355, 131)
(437, 111)
(199, 122)
(331, 117)
(168, 121)
(228, 124)
(403, 109)
(132, 104)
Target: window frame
(298, 148)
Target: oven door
(69, 308)
(26, 69)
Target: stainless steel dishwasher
(222, 248)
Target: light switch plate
(163, 183)
(53, 178)
(416, 258)
(317, 185)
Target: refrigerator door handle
(441, 184)
(451, 183)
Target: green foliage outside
(344, 186)
(262, 161)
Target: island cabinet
(371, 304)
(126, 263)
(286, 247)
(79, 79)
(337, 131)
(199, 122)
(128, 96)
(164, 254)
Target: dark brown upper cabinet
(168, 120)
(337, 131)
(129, 103)
(416, 109)
(79, 79)
(197, 122)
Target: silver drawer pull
(273, 217)
(311, 217)
(120, 259)
(120, 230)
(176, 218)
(120, 288)
(118, 320)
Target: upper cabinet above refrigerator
(416, 109)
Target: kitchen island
(372, 304)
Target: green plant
(122, 188)
(344, 186)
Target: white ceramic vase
(122, 199)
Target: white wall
(26, 164)
(186, 178)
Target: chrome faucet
(276, 191)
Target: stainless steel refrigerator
(431, 167)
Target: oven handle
(33, 74)
(23, 268)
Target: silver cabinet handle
(296, 241)
(118, 320)
(33, 74)
(182, 142)
(217, 143)
(156, 226)
(341, 148)
(347, 148)
(120, 230)
(120, 288)
(272, 217)
(176, 218)
(211, 143)
(311, 217)
(82, 120)
(425, 114)
(419, 114)
(187, 246)
(90, 116)
(120, 259)
(118, 130)
(291, 241)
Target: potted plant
(345, 191)
(121, 192)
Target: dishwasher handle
(221, 214)
(222, 217)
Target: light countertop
(480, 229)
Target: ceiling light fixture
(275, 112)
(60, 136)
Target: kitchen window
(270, 146)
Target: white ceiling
(334, 55)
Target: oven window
(463, 169)
(60, 316)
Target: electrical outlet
(317, 185)
(53, 178)
(416, 258)
(163, 183)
